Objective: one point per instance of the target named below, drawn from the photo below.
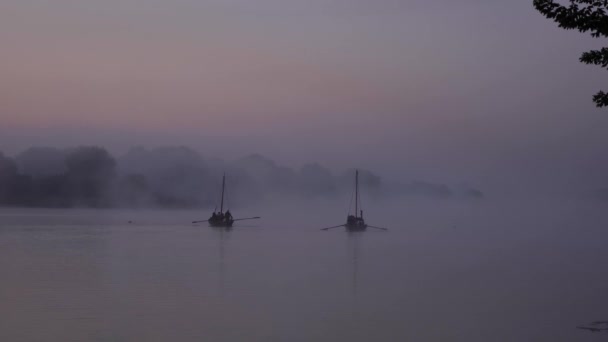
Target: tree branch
(600, 99)
(590, 17)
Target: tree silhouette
(585, 16)
(90, 171)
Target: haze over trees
(178, 177)
(586, 16)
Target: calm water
(446, 271)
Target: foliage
(585, 16)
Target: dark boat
(221, 218)
(355, 223)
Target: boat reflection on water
(354, 242)
(223, 237)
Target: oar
(377, 227)
(328, 228)
(248, 218)
(200, 221)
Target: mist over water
(179, 177)
(471, 125)
(447, 270)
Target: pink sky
(416, 88)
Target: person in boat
(213, 216)
(360, 218)
(228, 216)
(351, 219)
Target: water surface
(446, 271)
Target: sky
(484, 92)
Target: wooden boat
(355, 223)
(220, 221)
(223, 219)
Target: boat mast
(356, 193)
(223, 187)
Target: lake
(516, 270)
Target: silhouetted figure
(228, 215)
(351, 220)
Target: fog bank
(179, 177)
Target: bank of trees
(174, 177)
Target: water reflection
(223, 235)
(354, 242)
(494, 278)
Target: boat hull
(355, 224)
(355, 227)
(221, 224)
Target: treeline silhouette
(176, 177)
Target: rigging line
(360, 201)
(216, 201)
(223, 191)
(359, 197)
(226, 197)
(350, 204)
